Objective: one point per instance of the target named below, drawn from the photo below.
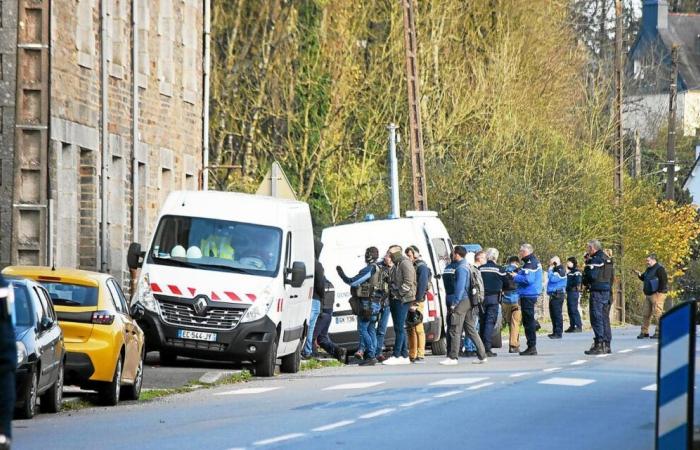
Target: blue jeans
(468, 343)
(399, 312)
(382, 323)
(488, 321)
(598, 302)
(572, 298)
(527, 304)
(315, 312)
(556, 312)
(368, 329)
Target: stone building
(103, 113)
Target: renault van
(227, 276)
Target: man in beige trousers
(655, 281)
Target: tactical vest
(372, 286)
(328, 296)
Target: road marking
(381, 412)
(248, 391)
(274, 440)
(366, 385)
(456, 381)
(551, 369)
(644, 346)
(414, 402)
(651, 387)
(578, 362)
(519, 374)
(627, 350)
(447, 394)
(604, 355)
(560, 381)
(333, 426)
(478, 386)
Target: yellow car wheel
(109, 393)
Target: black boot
(578, 330)
(530, 351)
(341, 354)
(643, 336)
(606, 347)
(570, 330)
(597, 349)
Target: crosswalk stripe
(627, 350)
(651, 387)
(348, 386)
(414, 403)
(333, 426)
(248, 391)
(457, 381)
(381, 412)
(479, 386)
(519, 374)
(277, 439)
(644, 346)
(560, 381)
(578, 362)
(447, 394)
(551, 369)
(604, 355)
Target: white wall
(650, 112)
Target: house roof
(684, 30)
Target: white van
(344, 245)
(228, 276)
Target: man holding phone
(655, 281)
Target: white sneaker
(479, 361)
(404, 360)
(391, 361)
(449, 362)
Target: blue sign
(676, 378)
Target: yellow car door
(129, 330)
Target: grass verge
(312, 364)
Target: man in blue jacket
(529, 282)
(556, 290)
(460, 313)
(598, 277)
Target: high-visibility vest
(217, 247)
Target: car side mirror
(137, 311)
(46, 323)
(135, 255)
(298, 274)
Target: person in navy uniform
(556, 290)
(493, 275)
(597, 277)
(8, 364)
(574, 279)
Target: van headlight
(21, 353)
(258, 310)
(145, 297)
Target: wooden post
(671, 143)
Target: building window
(143, 18)
(85, 34)
(166, 184)
(87, 244)
(116, 29)
(189, 51)
(638, 71)
(166, 56)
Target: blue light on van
(369, 217)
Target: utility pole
(637, 154)
(671, 147)
(394, 173)
(420, 196)
(619, 291)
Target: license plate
(196, 335)
(344, 319)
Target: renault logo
(200, 305)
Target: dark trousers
(598, 302)
(487, 320)
(527, 304)
(556, 312)
(572, 298)
(321, 332)
(607, 337)
(462, 317)
(399, 312)
(382, 323)
(8, 363)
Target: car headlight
(258, 310)
(21, 353)
(145, 297)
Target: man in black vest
(598, 278)
(655, 288)
(493, 275)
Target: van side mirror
(137, 311)
(134, 257)
(298, 274)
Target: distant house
(648, 71)
(692, 181)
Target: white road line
(333, 426)
(519, 374)
(651, 387)
(578, 362)
(627, 350)
(551, 369)
(381, 412)
(414, 403)
(348, 386)
(604, 355)
(644, 346)
(447, 394)
(235, 448)
(479, 386)
(456, 381)
(560, 381)
(274, 440)
(248, 391)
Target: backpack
(429, 287)
(371, 287)
(476, 286)
(509, 283)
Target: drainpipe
(134, 120)
(102, 242)
(205, 112)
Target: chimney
(654, 15)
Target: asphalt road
(559, 399)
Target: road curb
(213, 377)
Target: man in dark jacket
(574, 279)
(8, 365)
(556, 290)
(319, 291)
(324, 322)
(402, 288)
(598, 277)
(493, 275)
(655, 289)
(416, 334)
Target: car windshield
(65, 294)
(219, 245)
(23, 306)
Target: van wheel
(109, 393)
(52, 400)
(265, 366)
(291, 363)
(167, 358)
(28, 408)
(133, 392)
(439, 347)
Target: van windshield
(219, 245)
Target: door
(48, 340)
(128, 329)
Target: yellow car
(104, 345)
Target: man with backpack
(416, 334)
(529, 282)
(365, 288)
(463, 291)
(655, 288)
(598, 277)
